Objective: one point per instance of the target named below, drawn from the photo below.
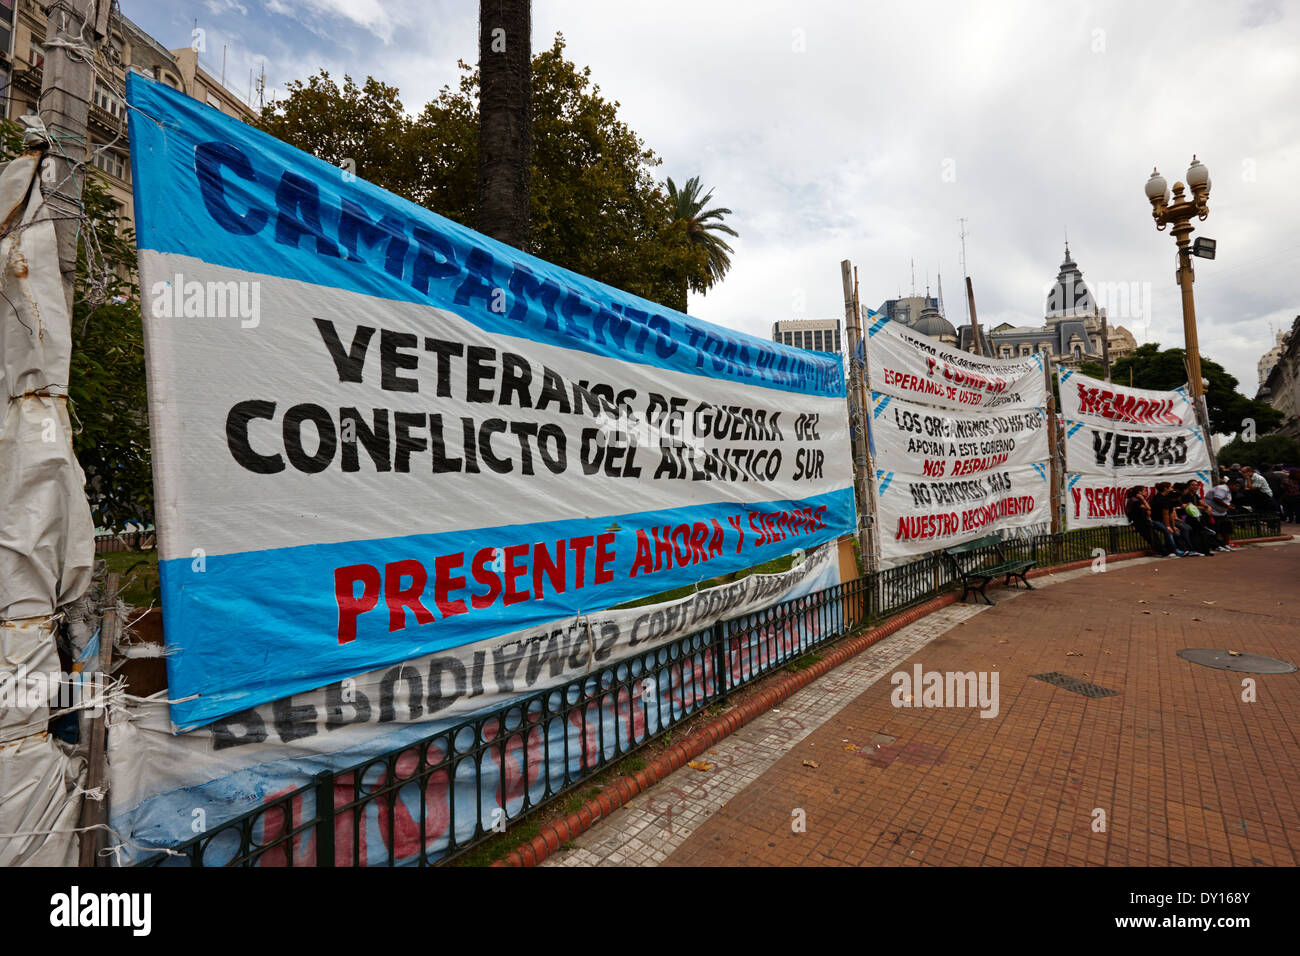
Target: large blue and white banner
(378, 434)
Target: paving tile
(1185, 772)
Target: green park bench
(975, 570)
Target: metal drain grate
(1066, 682)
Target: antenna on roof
(942, 311)
(913, 278)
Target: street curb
(551, 836)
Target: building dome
(1069, 295)
(931, 323)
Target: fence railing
(108, 541)
(432, 800)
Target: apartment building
(127, 48)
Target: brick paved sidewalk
(1184, 771)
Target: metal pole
(1182, 234)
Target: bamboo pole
(976, 339)
(861, 460)
(95, 812)
(1052, 448)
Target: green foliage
(106, 386)
(1164, 370)
(595, 206)
(366, 125)
(1264, 450)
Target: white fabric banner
(1097, 501)
(1105, 450)
(1105, 403)
(913, 366)
(916, 515)
(928, 442)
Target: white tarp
(942, 443)
(1117, 437)
(907, 364)
(916, 515)
(1124, 452)
(1105, 403)
(46, 536)
(46, 532)
(1097, 501)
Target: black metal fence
(108, 541)
(432, 800)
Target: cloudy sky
(866, 130)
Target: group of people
(1180, 520)
(1267, 491)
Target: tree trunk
(505, 119)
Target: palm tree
(702, 227)
(505, 119)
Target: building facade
(1071, 332)
(127, 48)
(818, 335)
(921, 313)
(1281, 388)
(1270, 358)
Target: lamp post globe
(1157, 188)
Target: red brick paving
(1185, 771)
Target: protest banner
(1096, 501)
(917, 515)
(1118, 437)
(1106, 450)
(241, 762)
(909, 365)
(1105, 403)
(377, 434)
(922, 441)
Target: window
(1078, 351)
(817, 338)
(113, 163)
(37, 56)
(109, 103)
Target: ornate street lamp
(1177, 211)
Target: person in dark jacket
(1139, 516)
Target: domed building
(1072, 329)
(922, 314)
(932, 323)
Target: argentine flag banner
(378, 434)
